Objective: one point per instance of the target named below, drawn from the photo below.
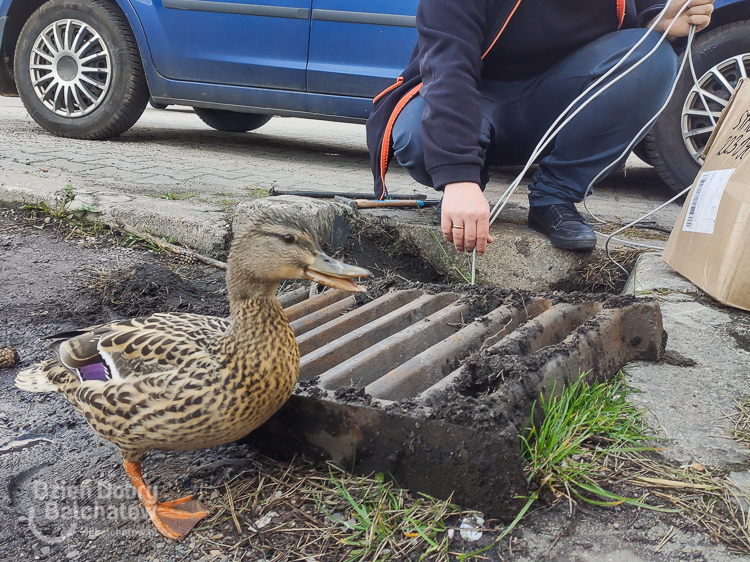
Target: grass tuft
(581, 426)
(382, 522)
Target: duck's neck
(253, 319)
(241, 287)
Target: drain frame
(394, 421)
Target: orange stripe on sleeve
(620, 13)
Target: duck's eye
(289, 238)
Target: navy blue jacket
(462, 42)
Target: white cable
(688, 56)
(636, 221)
(646, 127)
(554, 130)
(590, 188)
(629, 242)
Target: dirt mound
(147, 288)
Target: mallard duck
(175, 381)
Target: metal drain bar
(372, 378)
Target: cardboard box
(710, 243)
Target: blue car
(88, 68)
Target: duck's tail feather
(36, 378)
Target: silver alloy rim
(70, 68)
(717, 86)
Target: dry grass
(291, 511)
(740, 430)
(705, 498)
(600, 275)
(647, 232)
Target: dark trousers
(515, 115)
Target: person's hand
(465, 217)
(698, 14)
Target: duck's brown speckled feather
(186, 381)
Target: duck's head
(277, 245)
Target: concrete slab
(519, 258)
(188, 222)
(650, 274)
(689, 403)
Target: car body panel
(265, 100)
(358, 47)
(259, 43)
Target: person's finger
(700, 15)
(470, 235)
(445, 225)
(700, 22)
(483, 232)
(705, 10)
(490, 239)
(459, 232)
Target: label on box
(704, 205)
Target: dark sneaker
(564, 225)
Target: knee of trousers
(407, 135)
(657, 73)
(407, 147)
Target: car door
(260, 43)
(359, 47)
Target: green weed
(130, 241)
(581, 426)
(258, 192)
(382, 522)
(464, 272)
(59, 209)
(566, 453)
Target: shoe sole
(560, 243)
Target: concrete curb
(689, 403)
(202, 227)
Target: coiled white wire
(554, 129)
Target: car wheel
(675, 145)
(78, 70)
(231, 121)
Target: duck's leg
(170, 522)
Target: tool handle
(367, 204)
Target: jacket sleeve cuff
(455, 173)
(648, 14)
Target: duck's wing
(139, 346)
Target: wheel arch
(729, 11)
(19, 12)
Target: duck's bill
(337, 274)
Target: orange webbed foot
(170, 520)
(175, 523)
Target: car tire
(231, 121)
(640, 151)
(93, 58)
(666, 147)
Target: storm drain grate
(433, 388)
